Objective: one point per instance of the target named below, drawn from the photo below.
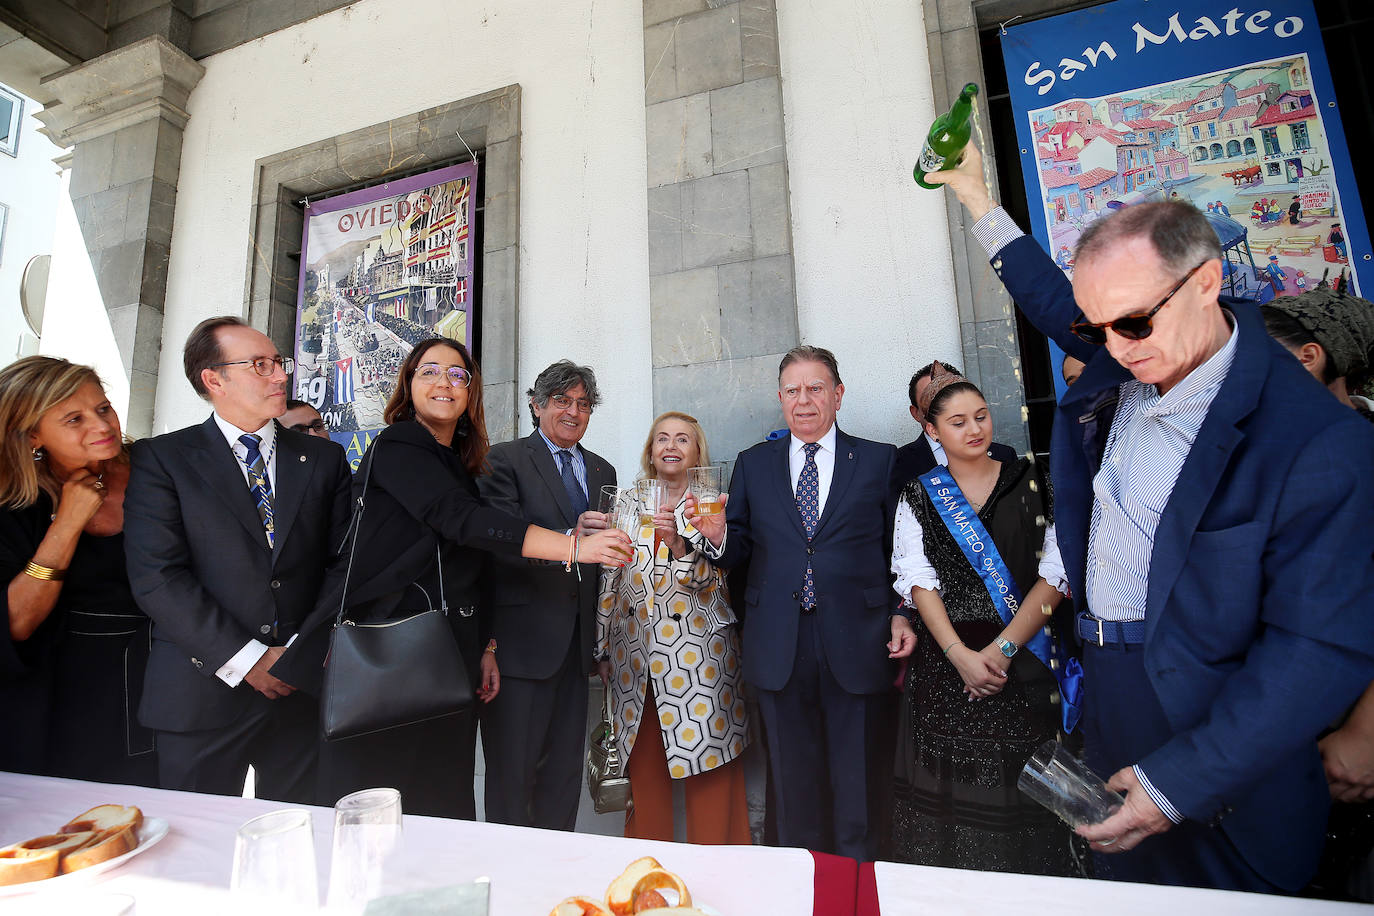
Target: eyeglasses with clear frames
(431, 372)
(263, 365)
(563, 402)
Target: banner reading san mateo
(1231, 108)
(381, 269)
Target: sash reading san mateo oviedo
(977, 546)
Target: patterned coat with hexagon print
(670, 619)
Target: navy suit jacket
(1258, 617)
(200, 567)
(850, 556)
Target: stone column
(123, 114)
(721, 285)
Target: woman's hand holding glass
(665, 529)
(711, 526)
(609, 546)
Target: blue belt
(1095, 631)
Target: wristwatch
(1008, 647)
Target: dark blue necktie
(261, 486)
(809, 505)
(576, 497)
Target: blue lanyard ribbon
(977, 546)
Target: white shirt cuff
(1157, 796)
(234, 670)
(996, 230)
(1051, 567)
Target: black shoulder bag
(398, 672)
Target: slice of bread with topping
(108, 844)
(20, 866)
(105, 817)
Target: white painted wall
(874, 277)
(29, 187)
(75, 324)
(584, 287)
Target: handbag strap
(355, 525)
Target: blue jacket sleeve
(1042, 293)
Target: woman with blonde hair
(71, 665)
(670, 657)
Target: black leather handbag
(394, 672)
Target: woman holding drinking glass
(670, 657)
(422, 509)
(71, 667)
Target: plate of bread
(644, 888)
(93, 842)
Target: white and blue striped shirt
(1149, 440)
(1148, 443)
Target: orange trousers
(716, 809)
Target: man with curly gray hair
(544, 617)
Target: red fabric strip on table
(836, 883)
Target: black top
(419, 497)
(68, 693)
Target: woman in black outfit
(422, 504)
(72, 660)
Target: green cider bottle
(947, 138)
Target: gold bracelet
(44, 573)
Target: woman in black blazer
(422, 504)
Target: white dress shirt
(825, 465)
(936, 449)
(233, 671)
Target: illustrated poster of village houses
(1244, 145)
(381, 273)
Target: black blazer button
(810, 551)
(276, 583)
(265, 629)
(796, 596)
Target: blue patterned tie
(576, 497)
(808, 504)
(261, 486)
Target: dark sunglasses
(317, 425)
(1136, 326)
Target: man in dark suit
(544, 618)
(812, 514)
(1212, 510)
(924, 452)
(228, 526)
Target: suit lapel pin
(851, 456)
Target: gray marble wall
(721, 287)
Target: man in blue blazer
(812, 514)
(1213, 503)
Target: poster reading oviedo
(1230, 108)
(381, 269)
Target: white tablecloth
(905, 890)
(530, 870)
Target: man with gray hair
(544, 618)
(1212, 513)
(812, 516)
